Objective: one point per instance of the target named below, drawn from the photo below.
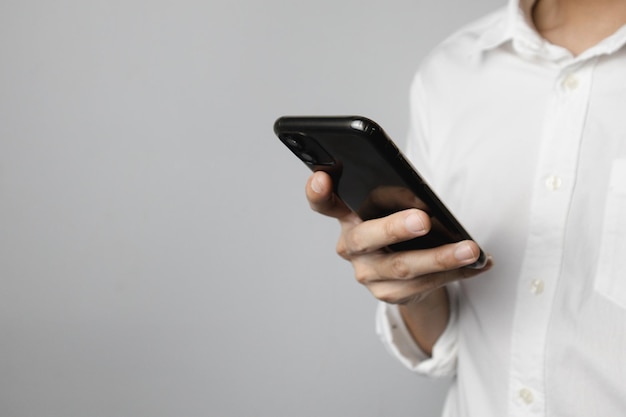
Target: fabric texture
(526, 144)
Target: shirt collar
(518, 18)
(518, 27)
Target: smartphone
(370, 174)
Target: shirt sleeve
(398, 341)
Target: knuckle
(341, 249)
(387, 298)
(442, 260)
(362, 274)
(391, 294)
(398, 267)
(357, 242)
(391, 231)
(385, 294)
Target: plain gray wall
(157, 255)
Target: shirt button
(570, 82)
(526, 396)
(536, 287)
(553, 182)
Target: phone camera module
(307, 149)
(308, 158)
(293, 143)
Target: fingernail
(315, 185)
(463, 252)
(414, 223)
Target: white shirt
(527, 146)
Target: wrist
(427, 318)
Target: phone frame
(344, 146)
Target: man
(518, 122)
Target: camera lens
(307, 157)
(293, 143)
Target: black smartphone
(369, 173)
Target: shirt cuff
(395, 336)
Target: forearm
(427, 319)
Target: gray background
(157, 255)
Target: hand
(414, 279)
(394, 277)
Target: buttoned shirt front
(526, 144)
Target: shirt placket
(554, 185)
